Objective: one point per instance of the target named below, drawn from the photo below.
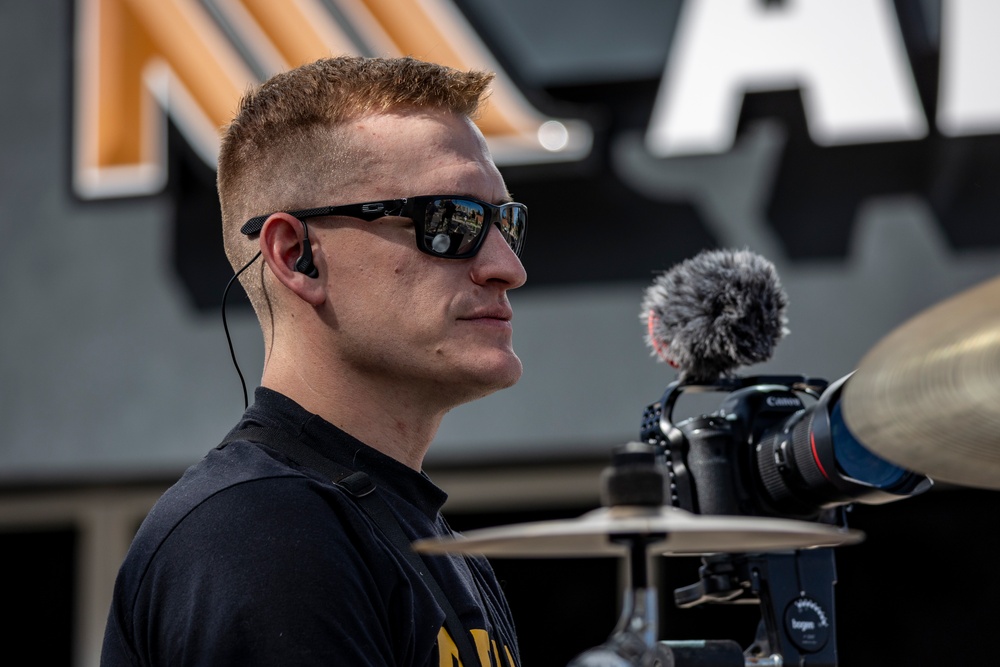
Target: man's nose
(496, 261)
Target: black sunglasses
(449, 226)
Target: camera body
(764, 452)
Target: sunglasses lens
(452, 226)
(513, 221)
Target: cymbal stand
(634, 640)
(636, 479)
(634, 643)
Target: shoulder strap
(360, 486)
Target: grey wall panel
(108, 370)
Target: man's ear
(285, 246)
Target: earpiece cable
(225, 326)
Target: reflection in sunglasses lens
(452, 225)
(512, 226)
(441, 244)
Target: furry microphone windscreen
(715, 312)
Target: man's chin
(488, 378)
(504, 373)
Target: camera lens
(811, 460)
(857, 462)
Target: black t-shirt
(250, 559)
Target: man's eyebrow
(504, 199)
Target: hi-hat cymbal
(677, 532)
(927, 397)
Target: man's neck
(388, 423)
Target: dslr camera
(765, 452)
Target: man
(377, 320)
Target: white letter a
(845, 56)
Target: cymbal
(927, 396)
(677, 532)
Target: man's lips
(503, 314)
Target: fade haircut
(288, 126)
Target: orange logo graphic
(141, 60)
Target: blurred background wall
(855, 144)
